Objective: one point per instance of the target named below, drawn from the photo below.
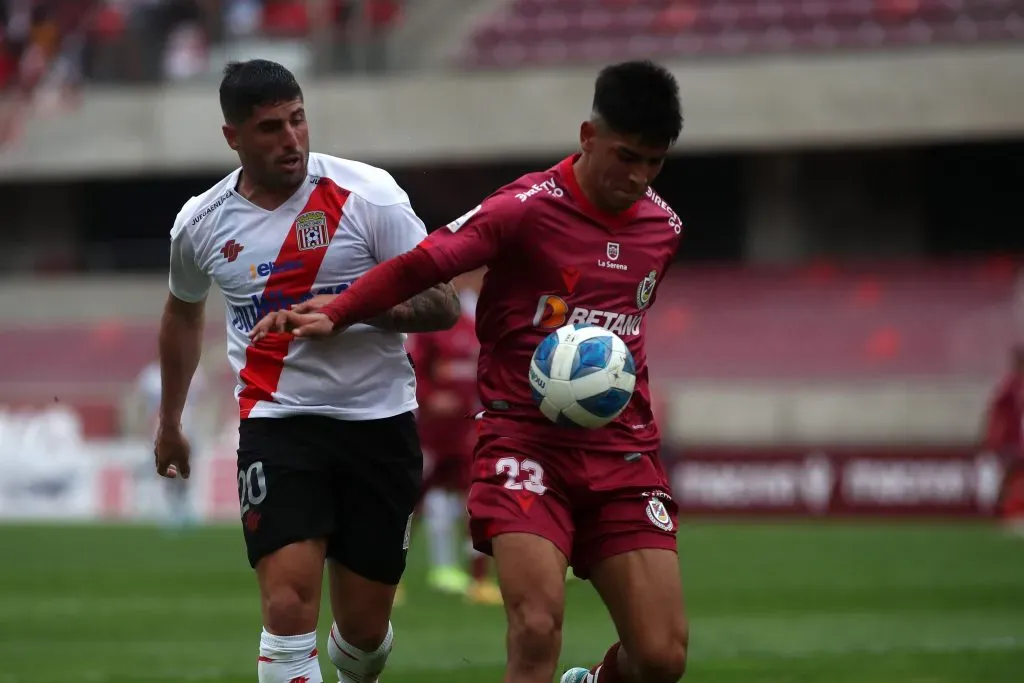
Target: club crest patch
(646, 289)
(311, 230)
(658, 515)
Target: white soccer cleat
(577, 674)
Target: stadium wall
(869, 412)
(781, 102)
(54, 474)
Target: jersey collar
(609, 220)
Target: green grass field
(885, 603)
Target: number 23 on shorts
(521, 474)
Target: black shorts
(354, 483)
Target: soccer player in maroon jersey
(586, 241)
(446, 391)
(1004, 433)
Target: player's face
(622, 166)
(273, 144)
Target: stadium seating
(823, 323)
(549, 32)
(90, 368)
(806, 324)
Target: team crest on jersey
(613, 251)
(311, 230)
(658, 515)
(646, 289)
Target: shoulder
(373, 185)
(195, 212)
(656, 208)
(523, 196)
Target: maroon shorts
(449, 471)
(591, 505)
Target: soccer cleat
(448, 580)
(484, 593)
(577, 674)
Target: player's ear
(588, 132)
(230, 135)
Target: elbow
(451, 315)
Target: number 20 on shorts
(252, 486)
(522, 475)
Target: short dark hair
(640, 98)
(255, 83)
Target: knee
(664, 661)
(534, 630)
(366, 635)
(288, 611)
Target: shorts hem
(485, 545)
(255, 556)
(625, 544)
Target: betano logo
(553, 312)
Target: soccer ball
(582, 376)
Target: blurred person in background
(177, 490)
(1004, 434)
(445, 364)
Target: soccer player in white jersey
(329, 465)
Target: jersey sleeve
(478, 237)
(392, 230)
(187, 281)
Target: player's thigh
(626, 544)
(287, 515)
(284, 491)
(518, 487)
(376, 483)
(643, 592)
(531, 574)
(627, 506)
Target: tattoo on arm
(435, 309)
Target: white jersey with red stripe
(346, 218)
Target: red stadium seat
(563, 31)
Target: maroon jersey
(446, 386)
(553, 259)
(1005, 427)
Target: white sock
(355, 665)
(289, 659)
(437, 510)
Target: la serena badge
(646, 289)
(658, 515)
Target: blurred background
(829, 346)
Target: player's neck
(581, 170)
(269, 199)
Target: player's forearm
(435, 309)
(388, 285)
(180, 346)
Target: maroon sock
(608, 670)
(478, 567)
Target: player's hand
(172, 452)
(312, 325)
(314, 304)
